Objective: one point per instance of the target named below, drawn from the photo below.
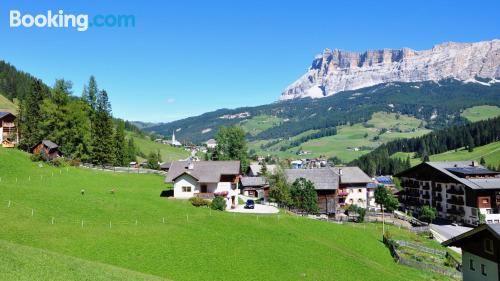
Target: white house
(211, 143)
(480, 252)
(205, 179)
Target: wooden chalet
(47, 149)
(8, 130)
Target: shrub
(75, 162)
(218, 204)
(36, 157)
(58, 162)
(198, 202)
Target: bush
(218, 204)
(59, 162)
(198, 202)
(75, 162)
(36, 157)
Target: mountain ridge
(337, 70)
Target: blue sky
(183, 59)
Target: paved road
(259, 209)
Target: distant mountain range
(337, 70)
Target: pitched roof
(3, 114)
(352, 175)
(253, 181)
(203, 171)
(449, 168)
(322, 178)
(457, 240)
(49, 144)
(165, 165)
(256, 168)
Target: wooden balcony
(206, 195)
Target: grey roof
(49, 144)
(491, 183)
(322, 178)
(253, 181)
(3, 114)
(203, 171)
(352, 175)
(256, 168)
(457, 240)
(165, 165)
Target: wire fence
(129, 170)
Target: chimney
(474, 164)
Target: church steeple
(173, 136)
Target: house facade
(8, 131)
(48, 149)
(460, 191)
(480, 252)
(336, 187)
(205, 179)
(255, 187)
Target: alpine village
(398, 179)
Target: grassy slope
(353, 136)
(478, 113)
(192, 244)
(22, 263)
(257, 124)
(7, 105)
(490, 152)
(168, 153)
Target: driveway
(259, 209)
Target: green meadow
(490, 153)
(167, 152)
(133, 234)
(482, 112)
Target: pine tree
(131, 152)
(120, 144)
(31, 116)
(102, 131)
(470, 142)
(91, 92)
(408, 162)
(482, 161)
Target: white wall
(476, 275)
(357, 197)
(185, 180)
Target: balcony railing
(426, 187)
(437, 197)
(426, 196)
(454, 211)
(455, 201)
(206, 195)
(456, 191)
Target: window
(483, 270)
(360, 190)
(488, 246)
(471, 265)
(186, 189)
(486, 201)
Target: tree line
(83, 127)
(467, 136)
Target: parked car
(250, 204)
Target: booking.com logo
(59, 19)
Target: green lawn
(7, 105)
(478, 113)
(490, 153)
(126, 230)
(22, 263)
(168, 153)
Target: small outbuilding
(47, 149)
(480, 252)
(255, 187)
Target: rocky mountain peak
(338, 70)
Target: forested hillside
(455, 137)
(439, 104)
